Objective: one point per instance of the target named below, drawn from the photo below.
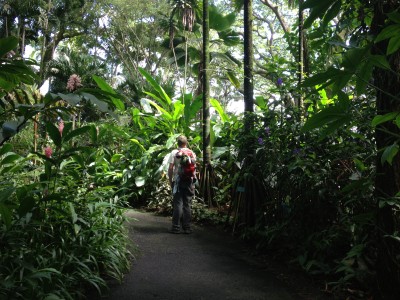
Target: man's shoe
(187, 231)
(174, 230)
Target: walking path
(202, 265)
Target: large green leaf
(77, 132)
(318, 9)
(218, 21)
(5, 149)
(217, 106)
(389, 153)
(394, 44)
(388, 32)
(233, 79)
(334, 116)
(54, 133)
(192, 107)
(100, 104)
(103, 85)
(163, 112)
(178, 110)
(8, 44)
(379, 119)
(163, 95)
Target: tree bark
(387, 182)
(206, 107)
(248, 58)
(300, 55)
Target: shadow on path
(203, 265)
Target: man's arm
(170, 173)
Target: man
(182, 186)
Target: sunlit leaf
(140, 181)
(217, 106)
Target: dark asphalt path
(203, 265)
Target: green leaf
(100, 104)
(394, 17)
(217, 106)
(335, 115)
(230, 37)
(233, 79)
(103, 85)
(54, 134)
(389, 153)
(192, 107)
(260, 102)
(140, 181)
(394, 44)
(388, 32)
(310, 4)
(317, 11)
(323, 79)
(79, 131)
(5, 148)
(93, 134)
(238, 4)
(379, 119)
(119, 104)
(9, 159)
(6, 214)
(5, 195)
(156, 86)
(116, 157)
(359, 164)
(72, 99)
(165, 114)
(332, 12)
(379, 61)
(135, 141)
(218, 21)
(7, 44)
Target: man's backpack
(187, 165)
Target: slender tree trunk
(206, 176)
(301, 55)
(248, 59)
(387, 183)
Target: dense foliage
(309, 173)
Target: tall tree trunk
(247, 196)
(387, 184)
(207, 174)
(301, 55)
(248, 59)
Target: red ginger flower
(61, 126)
(74, 82)
(48, 152)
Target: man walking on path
(181, 174)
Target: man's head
(182, 141)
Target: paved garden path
(203, 265)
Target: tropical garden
(291, 106)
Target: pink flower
(61, 126)
(73, 83)
(48, 152)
